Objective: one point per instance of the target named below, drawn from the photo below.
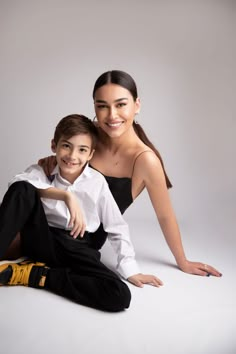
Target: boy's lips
(68, 163)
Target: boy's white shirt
(97, 205)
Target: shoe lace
(21, 274)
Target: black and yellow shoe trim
(19, 273)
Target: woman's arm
(149, 169)
(76, 216)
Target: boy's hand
(141, 279)
(77, 221)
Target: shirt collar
(86, 173)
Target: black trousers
(76, 271)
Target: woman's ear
(138, 105)
(53, 146)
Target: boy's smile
(70, 163)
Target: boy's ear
(53, 146)
(91, 154)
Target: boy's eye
(65, 145)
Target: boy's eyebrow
(68, 142)
(84, 146)
(65, 141)
(118, 100)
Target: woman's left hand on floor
(199, 268)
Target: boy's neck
(70, 177)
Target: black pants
(76, 271)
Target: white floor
(189, 314)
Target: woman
(130, 163)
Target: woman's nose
(112, 112)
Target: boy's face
(72, 155)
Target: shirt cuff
(128, 268)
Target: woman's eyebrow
(118, 100)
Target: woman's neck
(118, 144)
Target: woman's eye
(121, 104)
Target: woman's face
(115, 109)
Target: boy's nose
(73, 154)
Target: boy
(48, 215)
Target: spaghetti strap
(135, 159)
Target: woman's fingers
(151, 280)
(198, 268)
(141, 279)
(209, 270)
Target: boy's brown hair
(75, 124)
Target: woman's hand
(141, 279)
(48, 164)
(198, 268)
(77, 222)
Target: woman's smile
(114, 124)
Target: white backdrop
(179, 52)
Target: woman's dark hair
(123, 79)
(75, 124)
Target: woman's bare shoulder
(148, 165)
(146, 156)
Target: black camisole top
(120, 188)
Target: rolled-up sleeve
(35, 176)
